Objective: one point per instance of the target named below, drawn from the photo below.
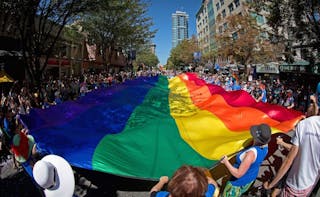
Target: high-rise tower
(179, 27)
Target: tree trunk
(110, 54)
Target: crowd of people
(279, 92)
(187, 180)
(21, 97)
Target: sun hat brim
(65, 182)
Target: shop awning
(296, 63)
(5, 78)
(10, 53)
(57, 62)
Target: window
(260, 19)
(224, 13)
(237, 3)
(225, 26)
(220, 29)
(231, 8)
(263, 35)
(235, 36)
(218, 6)
(222, 2)
(181, 20)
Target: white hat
(55, 175)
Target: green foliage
(209, 56)
(242, 40)
(39, 25)
(182, 54)
(147, 58)
(72, 33)
(295, 24)
(118, 24)
(169, 65)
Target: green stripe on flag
(150, 145)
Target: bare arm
(258, 99)
(290, 106)
(212, 181)
(157, 187)
(284, 144)
(314, 99)
(244, 166)
(284, 167)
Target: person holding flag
(303, 160)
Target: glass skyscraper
(179, 27)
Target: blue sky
(160, 11)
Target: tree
(243, 40)
(294, 23)
(118, 25)
(169, 65)
(209, 56)
(147, 58)
(73, 34)
(182, 54)
(39, 25)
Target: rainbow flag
(149, 127)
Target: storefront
(58, 67)
(268, 71)
(300, 72)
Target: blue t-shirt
(264, 96)
(209, 192)
(236, 86)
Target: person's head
(188, 181)
(261, 134)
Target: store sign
(267, 68)
(292, 68)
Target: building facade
(153, 48)
(202, 23)
(180, 22)
(205, 22)
(211, 20)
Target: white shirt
(305, 168)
